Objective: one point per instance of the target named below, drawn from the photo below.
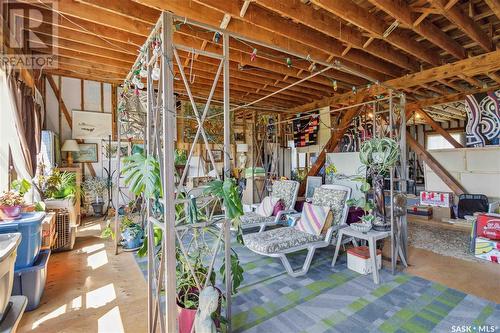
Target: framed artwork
(87, 153)
(312, 183)
(218, 155)
(91, 125)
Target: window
(437, 141)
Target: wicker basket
(65, 233)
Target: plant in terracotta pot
(10, 205)
(97, 186)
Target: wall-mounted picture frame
(88, 153)
(91, 125)
(110, 150)
(218, 155)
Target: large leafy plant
(142, 175)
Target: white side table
(371, 236)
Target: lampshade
(242, 148)
(70, 145)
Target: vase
(98, 208)
(10, 212)
(379, 196)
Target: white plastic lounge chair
(285, 190)
(281, 241)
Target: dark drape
(28, 121)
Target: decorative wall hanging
(91, 125)
(305, 130)
(87, 153)
(483, 119)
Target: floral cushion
(278, 240)
(254, 218)
(335, 199)
(285, 190)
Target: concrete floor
(90, 289)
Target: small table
(371, 236)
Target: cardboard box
(441, 213)
(487, 249)
(48, 230)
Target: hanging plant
(379, 155)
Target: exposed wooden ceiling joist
(359, 16)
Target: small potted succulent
(97, 186)
(10, 205)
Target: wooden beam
(332, 143)
(213, 17)
(435, 166)
(494, 6)
(465, 23)
(403, 12)
(66, 113)
(361, 17)
(480, 64)
(308, 16)
(428, 119)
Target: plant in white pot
(97, 187)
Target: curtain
(27, 120)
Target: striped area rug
(340, 300)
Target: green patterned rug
(340, 300)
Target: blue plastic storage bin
(30, 281)
(30, 227)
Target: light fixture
(70, 146)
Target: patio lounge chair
(282, 241)
(285, 190)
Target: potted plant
(330, 172)
(10, 205)
(97, 186)
(131, 233)
(379, 156)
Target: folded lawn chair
(287, 191)
(279, 242)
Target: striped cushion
(313, 219)
(266, 207)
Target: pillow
(266, 207)
(280, 205)
(313, 219)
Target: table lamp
(242, 148)
(70, 146)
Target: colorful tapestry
(305, 130)
(483, 119)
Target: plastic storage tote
(8, 248)
(30, 281)
(30, 227)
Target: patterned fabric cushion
(277, 240)
(285, 190)
(313, 218)
(253, 218)
(266, 207)
(335, 199)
